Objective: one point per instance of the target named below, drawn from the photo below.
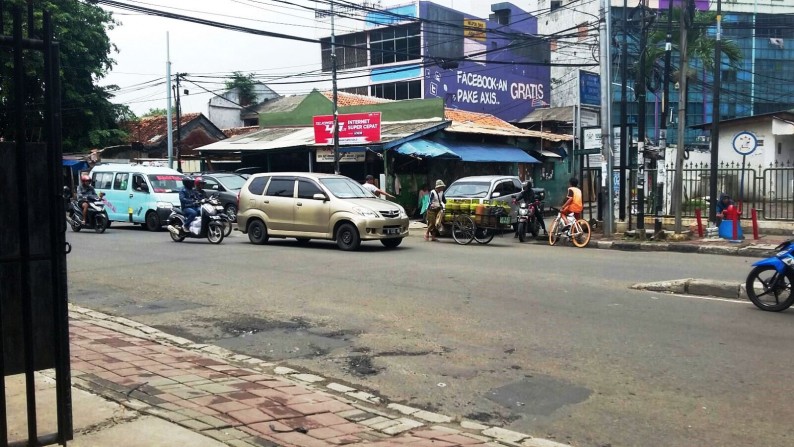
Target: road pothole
(538, 395)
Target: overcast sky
(206, 53)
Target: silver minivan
(503, 188)
(317, 206)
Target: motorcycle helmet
(199, 182)
(188, 182)
(85, 179)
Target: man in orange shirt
(573, 202)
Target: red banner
(354, 128)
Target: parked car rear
(317, 206)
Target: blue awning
(484, 153)
(426, 148)
(76, 165)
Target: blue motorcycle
(769, 284)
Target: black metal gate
(33, 297)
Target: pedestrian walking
(435, 211)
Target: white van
(138, 194)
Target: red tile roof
(344, 99)
(479, 119)
(151, 130)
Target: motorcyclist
(85, 190)
(200, 183)
(528, 196)
(189, 199)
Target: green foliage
(159, 112)
(244, 85)
(88, 116)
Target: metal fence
(768, 189)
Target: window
(103, 180)
(307, 189)
(257, 185)
(728, 76)
(138, 183)
(120, 182)
(398, 90)
(395, 44)
(351, 51)
(211, 183)
(505, 188)
(281, 187)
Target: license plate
(391, 231)
(504, 220)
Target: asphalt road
(544, 340)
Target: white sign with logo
(327, 156)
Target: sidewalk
(161, 390)
(762, 247)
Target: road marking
(709, 298)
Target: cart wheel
(484, 235)
(463, 229)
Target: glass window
(281, 187)
(395, 44)
(103, 180)
(120, 182)
(467, 189)
(165, 183)
(232, 182)
(138, 183)
(257, 185)
(345, 188)
(307, 189)
(211, 183)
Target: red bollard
(735, 228)
(699, 218)
(754, 215)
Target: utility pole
(178, 127)
(660, 173)
(624, 148)
(678, 187)
(168, 102)
(640, 93)
(605, 31)
(334, 92)
(715, 118)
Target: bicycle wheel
(554, 232)
(580, 233)
(770, 290)
(463, 229)
(484, 235)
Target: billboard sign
(589, 88)
(354, 128)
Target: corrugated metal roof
(507, 132)
(561, 114)
(288, 137)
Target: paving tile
(295, 438)
(250, 416)
(280, 412)
(225, 434)
(459, 439)
(188, 393)
(324, 433)
(272, 394)
(326, 419)
(296, 390)
(213, 421)
(215, 388)
(187, 378)
(193, 424)
(331, 406)
(247, 385)
(267, 428)
(226, 407)
(355, 415)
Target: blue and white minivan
(138, 194)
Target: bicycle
(578, 232)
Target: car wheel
(391, 243)
(153, 221)
(231, 212)
(257, 232)
(347, 237)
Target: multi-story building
(763, 81)
(496, 66)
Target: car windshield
(345, 188)
(468, 189)
(165, 182)
(232, 182)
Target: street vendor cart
(472, 221)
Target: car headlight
(166, 205)
(366, 212)
(403, 214)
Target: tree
(244, 85)
(89, 119)
(159, 112)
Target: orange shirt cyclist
(573, 202)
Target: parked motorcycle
(207, 224)
(96, 217)
(769, 284)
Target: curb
(373, 411)
(754, 251)
(700, 287)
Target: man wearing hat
(437, 201)
(369, 185)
